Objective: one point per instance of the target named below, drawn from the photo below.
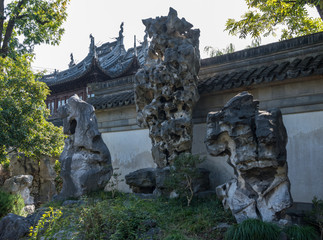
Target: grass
(253, 229)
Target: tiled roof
(113, 100)
(299, 67)
(111, 60)
(295, 58)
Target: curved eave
(128, 67)
(93, 73)
(73, 73)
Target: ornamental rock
(85, 160)
(256, 144)
(166, 87)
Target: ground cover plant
(10, 203)
(126, 216)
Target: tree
(26, 23)
(212, 52)
(266, 16)
(23, 112)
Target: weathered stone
(20, 185)
(255, 142)
(47, 175)
(4, 174)
(166, 86)
(85, 160)
(142, 180)
(13, 226)
(43, 186)
(153, 180)
(29, 209)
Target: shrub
(296, 232)
(45, 224)
(10, 203)
(315, 217)
(182, 175)
(118, 221)
(58, 180)
(114, 182)
(175, 236)
(253, 229)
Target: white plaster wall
(130, 151)
(221, 171)
(305, 155)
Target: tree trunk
(320, 10)
(7, 36)
(11, 24)
(1, 19)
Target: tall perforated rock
(166, 87)
(256, 144)
(85, 160)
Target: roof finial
(72, 62)
(92, 46)
(120, 38)
(135, 46)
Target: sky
(102, 19)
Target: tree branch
(11, 24)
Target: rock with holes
(256, 144)
(166, 86)
(85, 160)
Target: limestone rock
(152, 180)
(20, 185)
(166, 86)
(4, 174)
(85, 160)
(43, 186)
(142, 180)
(13, 226)
(256, 144)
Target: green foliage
(45, 224)
(315, 217)
(58, 180)
(176, 236)
(23, 112)
(212, 52)
(10, 203)
(116, 221)
(296, 232)
(253, 229)
(114, 182)
(99, 216)
(26, 23)
(182, 175)
(266, 16)
(5, 163)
